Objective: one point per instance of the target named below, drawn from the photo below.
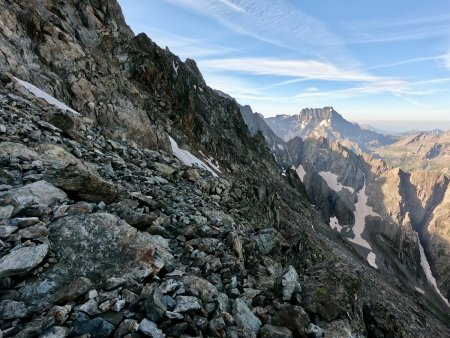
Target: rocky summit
(135, 201)
(328, 123)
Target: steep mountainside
(398, 221)
(326, 122)
(107, 229)
(426, 151)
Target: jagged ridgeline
(135, 201)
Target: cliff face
(106, 228)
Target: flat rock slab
(96, 246)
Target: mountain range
(426, 151)
(136, 201)
(326, 122)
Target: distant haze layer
(403, 126)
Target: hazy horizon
(400, 126)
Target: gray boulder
(269, 331)
(40, 193)
(150, 329)
(290, 283)
(22, 260)
(244, 316)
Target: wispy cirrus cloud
(402, 89)
(233, 6)
(446, 59)
(388, 86)
(302, 69)
(276, 22)
(407, 29)
(442, 57)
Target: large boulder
(96, 246)
(74, 176)
(62, 169)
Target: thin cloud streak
(232, 6)
(415, 60)
(306, 69)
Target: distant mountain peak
(326, 122)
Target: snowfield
(427, 269)
(301, 172)
(43, 95)
(332, 181)
(362, 210)
(189, 159)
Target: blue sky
(371, 60)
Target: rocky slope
(326, 122)
(107, 230)
(421, 151)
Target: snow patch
(332, 181)
(371, 257)
(43, 95)
(187, 158)
(334, 224)
(301, 172)
(280, 146)
(427, 269)
(175, 67)
(325, 123)
(362, 211)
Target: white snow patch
(280, 146)
(301, 172)
(210, 162)
(43, 95)
(175, 67)
(187, 158)
(427, 269)
(325, 123)
(363, 210)
(371, 257)
(420, 290)
(334, 224)
(332, 181)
